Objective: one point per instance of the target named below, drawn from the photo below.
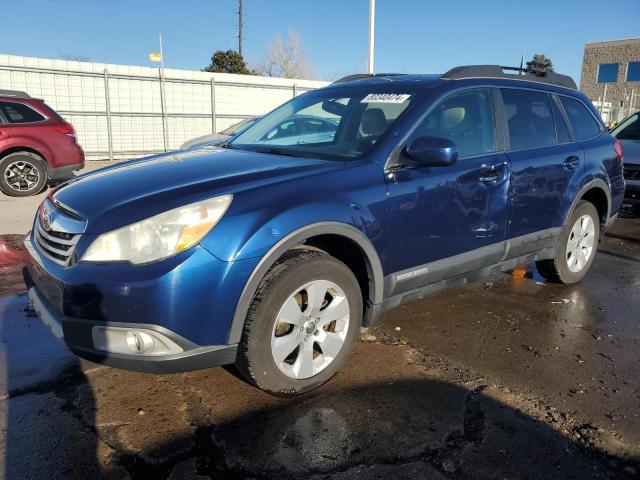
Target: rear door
(546, 164)
(445, 221)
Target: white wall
(76, 90)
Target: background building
(611, 77)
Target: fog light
(133, 341)
(139, 342)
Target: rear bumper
(78, 336)
(61, 174)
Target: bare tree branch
(286, 60)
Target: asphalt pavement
(508, 377)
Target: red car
(37, 147)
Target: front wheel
(576, 246)
(302, 323)
(22, 174)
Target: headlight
(160, 236)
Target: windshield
(237, 127)
(326, 124)
(629, 129)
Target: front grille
(58, 246)
(55, 241)
(632, 172)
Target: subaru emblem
(46, 219)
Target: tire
(576, 247)
(292, 290)
(30, 166)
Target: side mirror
(432, 152)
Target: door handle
(571, 163)
(492, 175)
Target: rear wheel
(301, 325)
(576, 247)
(22, 174)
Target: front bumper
(188, 299)
(632, 193)
(78, 336)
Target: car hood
(131, 191)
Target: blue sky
(411, 35)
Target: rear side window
(583, 123)
(20, 113)
(465, 118)
(529, 118)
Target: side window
(583, 123)
(629, 129)
(466, 118)
(19, 113)
(529, 118)
(561, 127)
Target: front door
(460, 211)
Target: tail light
(66, 129)
(617, 147)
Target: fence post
(107, 101)
(213, 105)
(163, 109)
(295, 90)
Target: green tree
(228, 62)
(540, 63)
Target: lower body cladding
(158, 319)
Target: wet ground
(510, 377)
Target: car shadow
(38, 377)
(408, 428)
(417, 428)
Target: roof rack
(14, 93)
(497, 71)
(361, 76)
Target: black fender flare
(595, 183)
(374, 267)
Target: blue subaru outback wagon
(272, 250)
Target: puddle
(11, 261)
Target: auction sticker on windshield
(386, 98)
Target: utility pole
(163, 96)
(372, 21)
(240, 27)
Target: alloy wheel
(310, 329)
(22, 176)
(580, 244)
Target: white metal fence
(122, 111)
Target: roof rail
(497, 71)
(14, 93)
(361, 76)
